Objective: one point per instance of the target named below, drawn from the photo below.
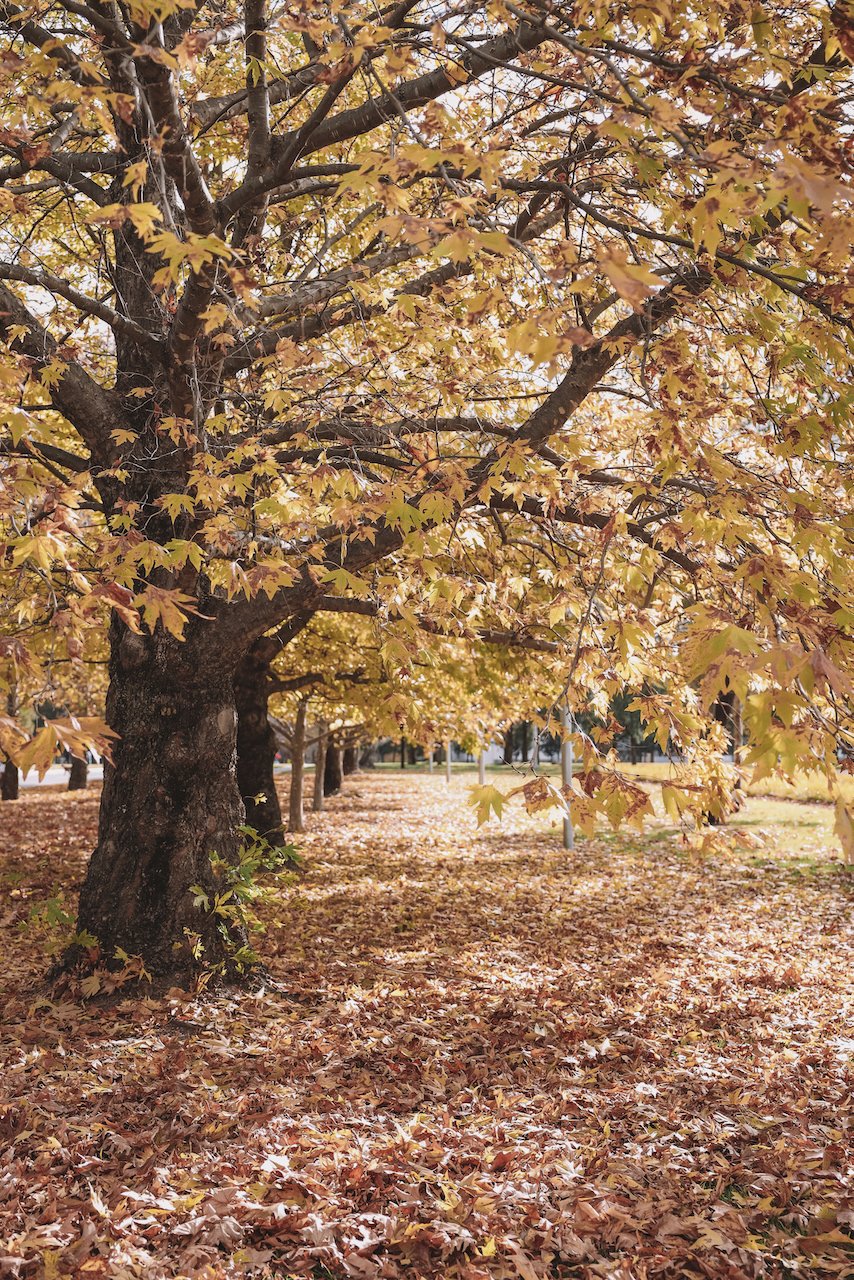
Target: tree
(286, 296)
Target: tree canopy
(530, 321)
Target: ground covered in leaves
(479, 1056)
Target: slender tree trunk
(256, 745)
(9, 781)
(319, 766)
(78, 778)
(403, 753)
(350, 761)
(296, 817)
(332, 778)
(507, 757)
(170, 801)
(737, 728)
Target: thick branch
(88, 306)
(93, 411)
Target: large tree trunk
(9, 781)
(170, 801)
(256, 746)
(78, 778)
(296, 817)
(507, 757)
(332, 778)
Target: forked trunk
(256, 749)
(170, 802)
(78, 778)
(9, 781)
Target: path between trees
(479, 1057)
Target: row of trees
(490, 329)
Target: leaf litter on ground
(478, 1057)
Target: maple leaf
(632, 280)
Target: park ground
(476, 1056)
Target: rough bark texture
(296, 816)
(350, 761)
(256, 748)
(332, 776)
(170, 801)
(9, 781)
(78, 778)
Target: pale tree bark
(319, 766)
(296, 816)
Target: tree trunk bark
(350, 761)
(319, 767)
(256, 747)
(170, 801)
(507, 758)
(332, 770)
(296, 817)
(403, 753)
(10, 781)
(78, 778)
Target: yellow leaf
(844, 827)
(632, 280)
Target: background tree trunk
(296, 817)
(256, 744)
(332, 778)
(319, 766)
(350, 761)
(9, 781)
(170, 801)
(78, 778)
(10, 778)
(507, 757)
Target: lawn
(810, 787)
(475, 1056)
